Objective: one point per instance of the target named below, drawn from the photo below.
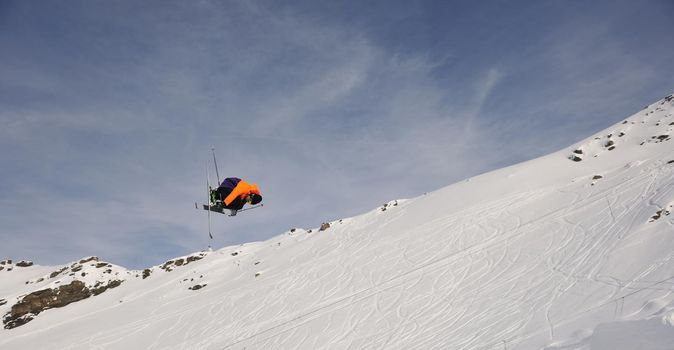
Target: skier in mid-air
(233, 193)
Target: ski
(221, 210)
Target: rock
(56, 273)
(197, 287)
(100, 288)
(32, 304)
(36, 302)
(575, 158)
(169, 265)
(16, 322)
(193, 258)
(146, 273)
(166, 265)
(3, 302)
(86, 260)
(324, 226)
(101, 265)
(578, 151)
(24, 263)
(659, 214)
(597, 177)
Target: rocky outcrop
(24, 263)
(57, 272)
(172, 264)
(32, 304)
(91, 258)
(101, 287)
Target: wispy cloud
(109, 114)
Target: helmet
(255, 198)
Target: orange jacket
(242, 189)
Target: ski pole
(216, 166)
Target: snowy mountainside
(573, 250)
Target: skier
(233, 193)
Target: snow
(540, 255)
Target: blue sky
(109, 109)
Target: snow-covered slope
(574, 250)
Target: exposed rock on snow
(172, 264)
(32, 304)
(86, 260)
(659, 214)
(57, 272)
(24, 263)
(386, 206)
(197, 287)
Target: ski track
(476, 267)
